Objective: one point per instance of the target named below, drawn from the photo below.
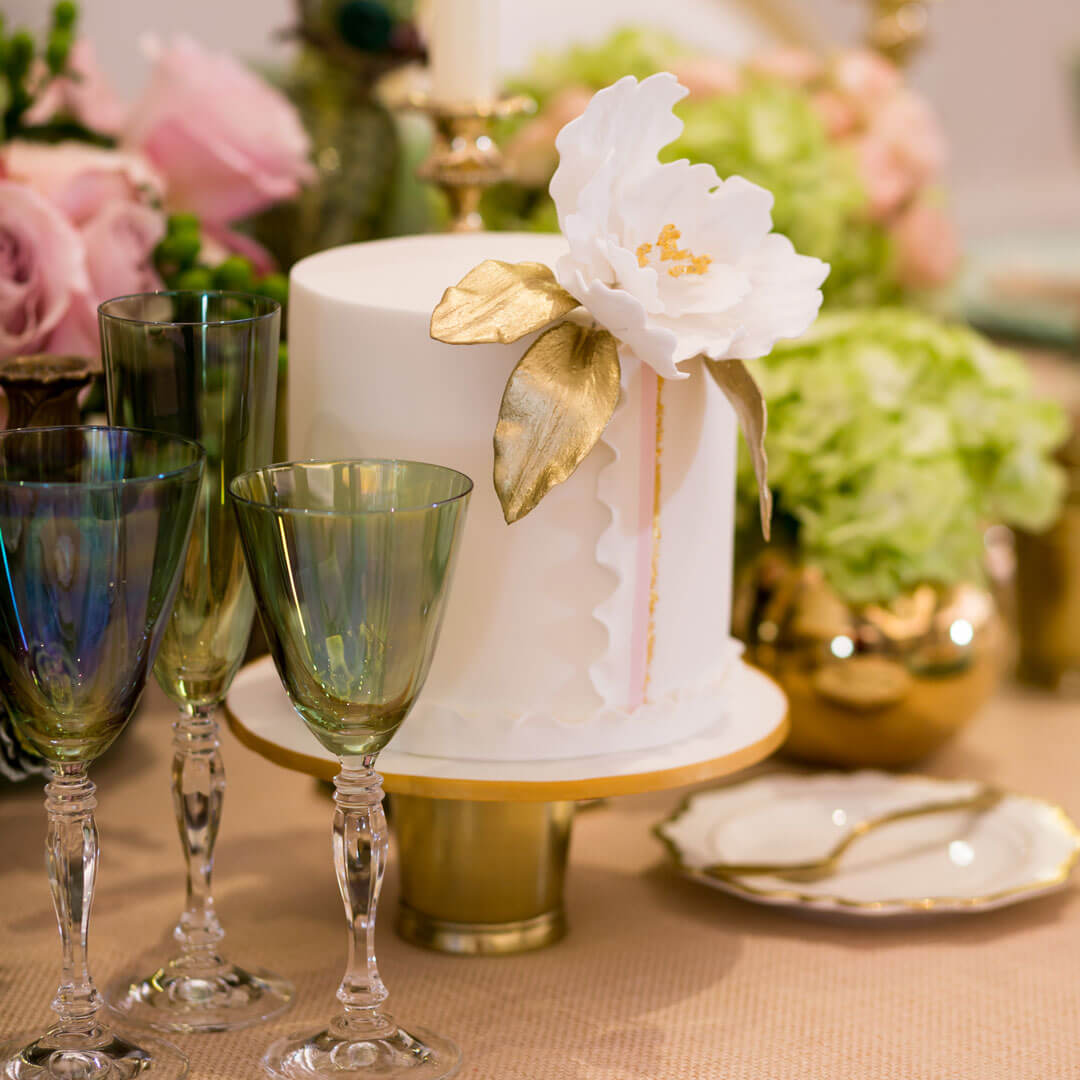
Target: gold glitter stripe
(650, 647)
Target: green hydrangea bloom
(893, 439)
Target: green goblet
(351, 563)
(94, 524)
(202, 365)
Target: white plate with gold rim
(956, 861)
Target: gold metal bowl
(874, 685)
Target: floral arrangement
(851, 154)
(668, 266)
(893, 440)
(99, 198)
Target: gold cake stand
(483, 844)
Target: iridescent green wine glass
(94, 524)
(351, 563)
(203, 365)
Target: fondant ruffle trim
(440, 730)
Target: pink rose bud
(227, 143)
(86, 94)
(706, 76)
(791, 65)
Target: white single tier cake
(597, 623)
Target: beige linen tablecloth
(660, 978)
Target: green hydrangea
(767, 132)
(893, 439)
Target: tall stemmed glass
(202, 365)
(351, 563)
(94, 523)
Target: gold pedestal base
(481, 939)
(481, 878)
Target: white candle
(464, 50)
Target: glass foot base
(106, 1054)
(334, 1054)
(184, 998)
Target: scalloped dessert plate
(958, 861)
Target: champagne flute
(94, 524)
(351, 563)
(202, 365)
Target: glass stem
(71, 858)
(198, 794)
(361, 840)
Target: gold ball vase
(878, 686)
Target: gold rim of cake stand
(596, 787)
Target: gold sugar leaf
(499, 302)
(738, 385)
(557, 402)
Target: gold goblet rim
(239, 481)
(28, 434)
(110, 309)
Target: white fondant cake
(597, 623)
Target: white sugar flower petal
(618, 312)
(674, 261)
(627, 124)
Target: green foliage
(234, 274)
(195, 279)
(176, 259)
(18, 52)
(893, 439)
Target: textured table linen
(659, 979)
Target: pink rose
(120, 243)
(80, 179)
(77, 332)
(902, 150)
(88, 97)
(791, 65)
(42, 269)
(227, 144)
(927, 248)
(706, 76)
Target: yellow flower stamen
(667, 242)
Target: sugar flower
(672, 260)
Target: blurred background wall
(1003, 73)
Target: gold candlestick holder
(465, 159)
(898, 28)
